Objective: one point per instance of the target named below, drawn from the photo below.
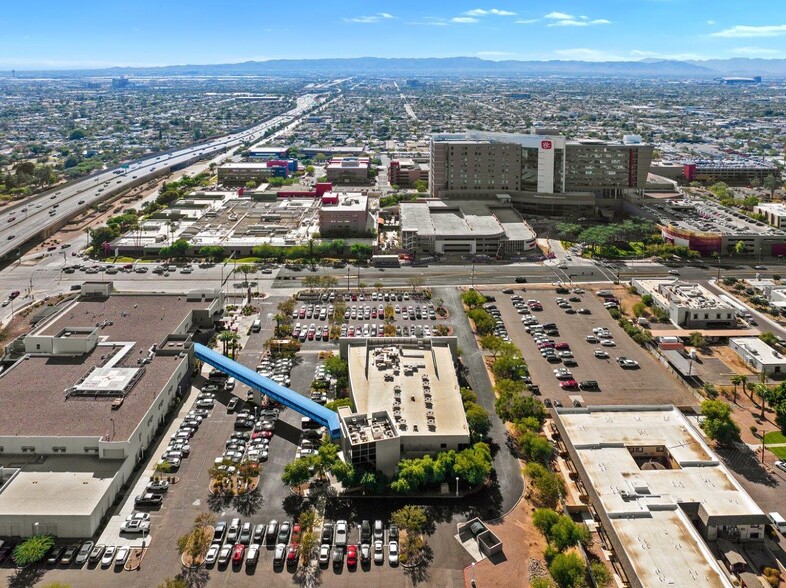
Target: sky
(71, 34)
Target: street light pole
(457, 485)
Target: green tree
(769, 339)
(344, 473)
(178, 249)
(718, 423)
(472, 298)
(32, 549)
(410, 518)
(474, 464)
(245, 269)
(478, 421)
(298, 472)
(493, 344)
(603, 577)
(772, 183)
(544, 519)
(568, 570)
(548, 485)
(416, 282)
(421, 186)
(739, 247)
(535, 447)
(566, 533)
(737, 379)
(569, 231)
(308, 543)
(697, 339)
(228, 339)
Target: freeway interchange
(26, 220)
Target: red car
(562, 346)
(295, 537)
(237, 553)
(568, 384)
(352, 556)
(292, 552)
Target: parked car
(324, 554)
(133, 527)
(379, 553)
(327, 533)
(284, 531)
(84, 553)
(225, 554)
(252, 554)
(279, 554)
(341, 533)
(121, 557)
(148, 499)
(219, 531)
(96, 553)
(69, 554)
(393, 553)
(157, 486)
(338, 557)
(212, 554)
(238, 551)
(293, 551)
(109, 556)
(352, 556)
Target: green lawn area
(246, 260)
(779, 451)
(774, 437)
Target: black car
(393, 532)
(148, 499)
(219, 531)
(327, 533)
(521, 280)
(55, 554)
(588, 385)
(365, 532)
(337, 557)
(547, 403)
(508, 291)
(535, 389)
(5, 551)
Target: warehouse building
(659, 492)
(407, 401)
(83, 398)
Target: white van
(778, 521)
(256, 326)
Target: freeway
(50, 209)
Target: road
(26, 220)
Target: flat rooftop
(66, 485)
(464, 218)
(645, 464)
(765, 354)
(690, 295)
(422, 398)
(33, 392)
(346, 202)
(702, 216)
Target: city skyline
(95, 35)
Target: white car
(121, 557)
(781, 465)
(212, 554)
(600, 354)
(393, 553)
(608, 343)
(379, 552)
(109, 556)
(324, 554)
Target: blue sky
(90, 33)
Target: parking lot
(647, 383)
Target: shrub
(568, 570)
(601, 574)
(33, 549)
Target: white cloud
(371, 18)
(746, 31)
(579, 23)
(755, 51)
(527, 21)
(485, 12)
(464, 19)
(711, 22)
(563, 19)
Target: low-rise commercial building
(775, 213)
(709, 228)
(405, 172)
(239, 174)
(348, 170)
(659, 491)
(484, 227)
(82, 398)
(262, 151)
(344, 215)
(758, 355)
(690, 305)
(734, 171)
(407, 401)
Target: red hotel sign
(545, 144)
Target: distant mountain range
(455, 66)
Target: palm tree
(245, 269)
(227, 338)
(736, 380)
(763, 392)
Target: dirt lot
(650, 384)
